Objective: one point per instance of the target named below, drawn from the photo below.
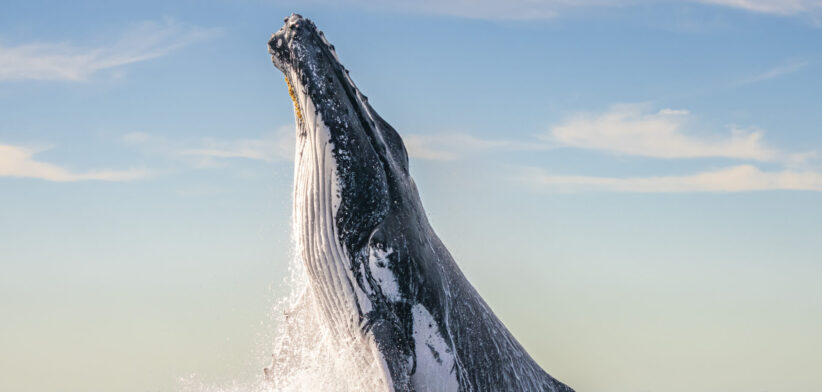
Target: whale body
(382, 279)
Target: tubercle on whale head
(307, 60)
(278, 44)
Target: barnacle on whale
(294, 99)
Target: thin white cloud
(451, 146)
(277, 146)
(474, 9)
(631, 129)
(18, 161)
(63, 61)
(775, 7)
(269, 149)
(775, 72)
(482, 9)
(420, 147)
(742, 178)
(549, 9)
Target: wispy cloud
(497, 10)
(775, 72)
(475, 9)
(776, 7)
(63, 61)
(623, 129)
(549, 9)
(18, 161)
(740, 178)
(277, 146)
(631, 129)
(451, 146)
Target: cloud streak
(277, 148)
(630, 129)
(50, 61)
(452, 146)
(775, 7)
(473, 9)
(774, 72)
(549, 9)
(274, 147)
(742, 178)
(21, 162)
(633, 129)
(17, 161)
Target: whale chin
(381, 286)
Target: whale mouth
(297, 111)
(282, 56)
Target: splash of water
(307, 354)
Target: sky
(635, 187)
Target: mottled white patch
(378, 263)
(366, 285)
(435, 360)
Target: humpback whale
(380, 276)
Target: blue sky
(633, 186)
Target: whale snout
(296, 28)
(276, 43)
(293, 18)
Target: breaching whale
(380, 275)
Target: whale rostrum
(381, 277)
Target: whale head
(368, 157)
